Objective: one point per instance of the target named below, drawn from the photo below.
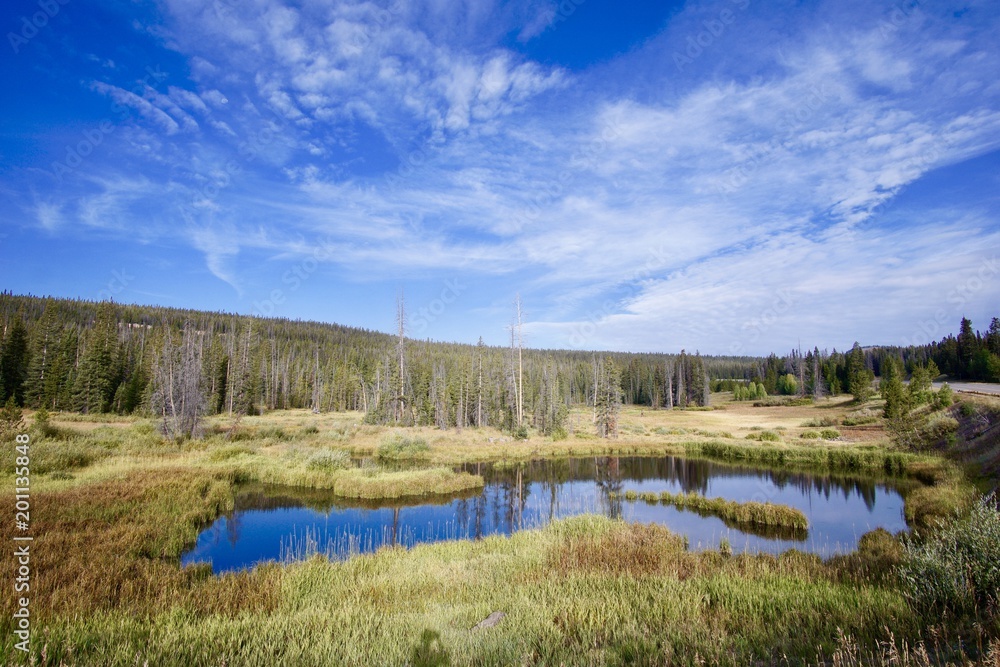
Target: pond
(283, 524)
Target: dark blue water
(282, 524)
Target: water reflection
(269, 523)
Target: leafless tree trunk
(399, 407)
(520, 364)
(801, 362)
(479, 398)
(178, 395)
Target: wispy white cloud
(651, 205)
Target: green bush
(768, 436)
(399, 446)
(955, 567)
(939, 428)
(823, 421)
(810, 435)
(944, 397)
(725, 548)
(829, 434)
(11, 420)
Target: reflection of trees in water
(826, 485)
(690, 475)
(233, 528)
(529, 493)
(607, 474)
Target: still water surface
(281, 523)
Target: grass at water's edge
(752, 513)
(587, 590)
(114, 508)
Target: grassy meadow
(114, 505)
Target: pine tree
(859, 376)
(99, 373)
(891, 388)
(968, 345)
(14, 363)
(608, 398)
(39, 391)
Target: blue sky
(731, 176)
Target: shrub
(939, 428)
(725, 548)
(944, 397)
(11, 420)
(810, 435)
(829, 434)
(768, 436)
(399, 446)
(823, 421)
(955, 568)
(43, 427)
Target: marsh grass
(358, 483)
(403, 447)
(750, 513)
(583, 591)
(116, 505)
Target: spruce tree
(859, 376)
(44, 357)
(99, 373)
(891, 387)
(608, 398)
(14, 363)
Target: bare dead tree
(177, 396)
(670, 385)
(399, 409)
(519, 387)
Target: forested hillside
(107, 357)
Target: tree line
(90, 357)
